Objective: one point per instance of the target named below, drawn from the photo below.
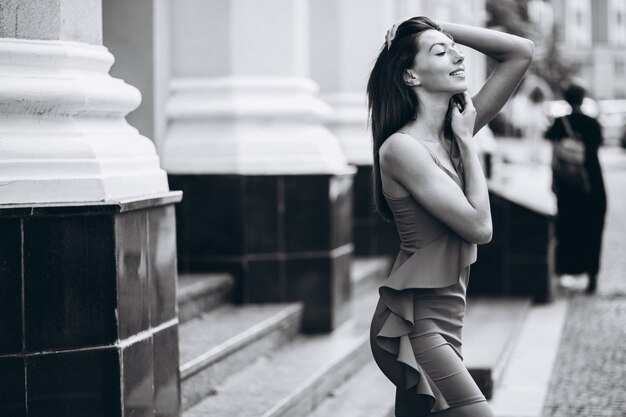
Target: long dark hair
(392, 103)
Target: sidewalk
(571, 356)
(589, 376)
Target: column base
(88, 303)
(64, 135)
(372, 235)
(283, 237)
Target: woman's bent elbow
(486, 237)
(483, 234)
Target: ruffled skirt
(416, 329)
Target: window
(620, 68)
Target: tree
(512, 17)
(509, 16)
(550, 64)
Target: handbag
(568, 161)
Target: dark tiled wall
(162, 264)
(74, 383)
(517, 260)
(69, 282)
(131, 254)
(282, 237)
(12, 386)
(372, 235)
(11, 286)
(165, 368)
(76, 284)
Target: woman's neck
(431, 118)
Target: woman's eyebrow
(440, 43)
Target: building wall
(594, 39)
(617, 22)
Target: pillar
(346, 37)
(137, 33)
(87, 255)
(268, 189)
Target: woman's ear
(411, 78)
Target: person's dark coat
(580, 218)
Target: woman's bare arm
(408, 163)
(513, 55)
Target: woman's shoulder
(402, 148)
(400, 142)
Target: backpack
(568, 161)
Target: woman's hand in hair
(463, 120)
(391, 33)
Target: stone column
(346, 37)
(268, 190)
(137, 33)
(87, 254)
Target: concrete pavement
(589, 375)
(571, 357)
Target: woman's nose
(459, 57)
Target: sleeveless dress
(422, 303)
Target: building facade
(594, 39)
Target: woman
(428, 178)
(580, 219)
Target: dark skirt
(579, 227)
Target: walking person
(428, 179)
(581, 201)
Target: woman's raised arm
(513, 55)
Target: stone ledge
(90, 208)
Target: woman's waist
(446, 302)
(456, 249)
(414, 241)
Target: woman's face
(439, 64)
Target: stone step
(367, 273)
(198, 293)
(491, 329)
(293, 380)
(367, 394)
(228, 339)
